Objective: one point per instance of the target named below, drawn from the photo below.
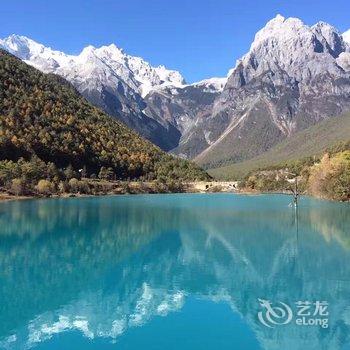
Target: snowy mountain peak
(113, 47)
(279, 18)
(276, 28)
(286, 31)
(94, 64)
(88, 49)
(325, 29)
(280, 22)
(87, 54)
(293, 49)
(20, 46)
(35, 54)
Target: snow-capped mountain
(291, 46)
(293, 76)
(107, 77)
(134, 71)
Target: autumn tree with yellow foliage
(330, 178)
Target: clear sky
(201, 39)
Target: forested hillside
(44, 120)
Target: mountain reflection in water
(101, 267)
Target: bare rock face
(292, 77)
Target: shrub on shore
(17, 187)
(45, 187)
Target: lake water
(216, 271)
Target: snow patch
(212, 84)
(346, 36)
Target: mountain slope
(45, 116)
(294, 76)
(310, 142)
(185, 108)
(108, 78)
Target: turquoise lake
(218, 271)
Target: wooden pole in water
(296, 194)
(295, 191)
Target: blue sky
(199, 38)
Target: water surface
(171, 272)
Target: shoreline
(10, 198)
(138, 188)
(4, 197)
(133, 188)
